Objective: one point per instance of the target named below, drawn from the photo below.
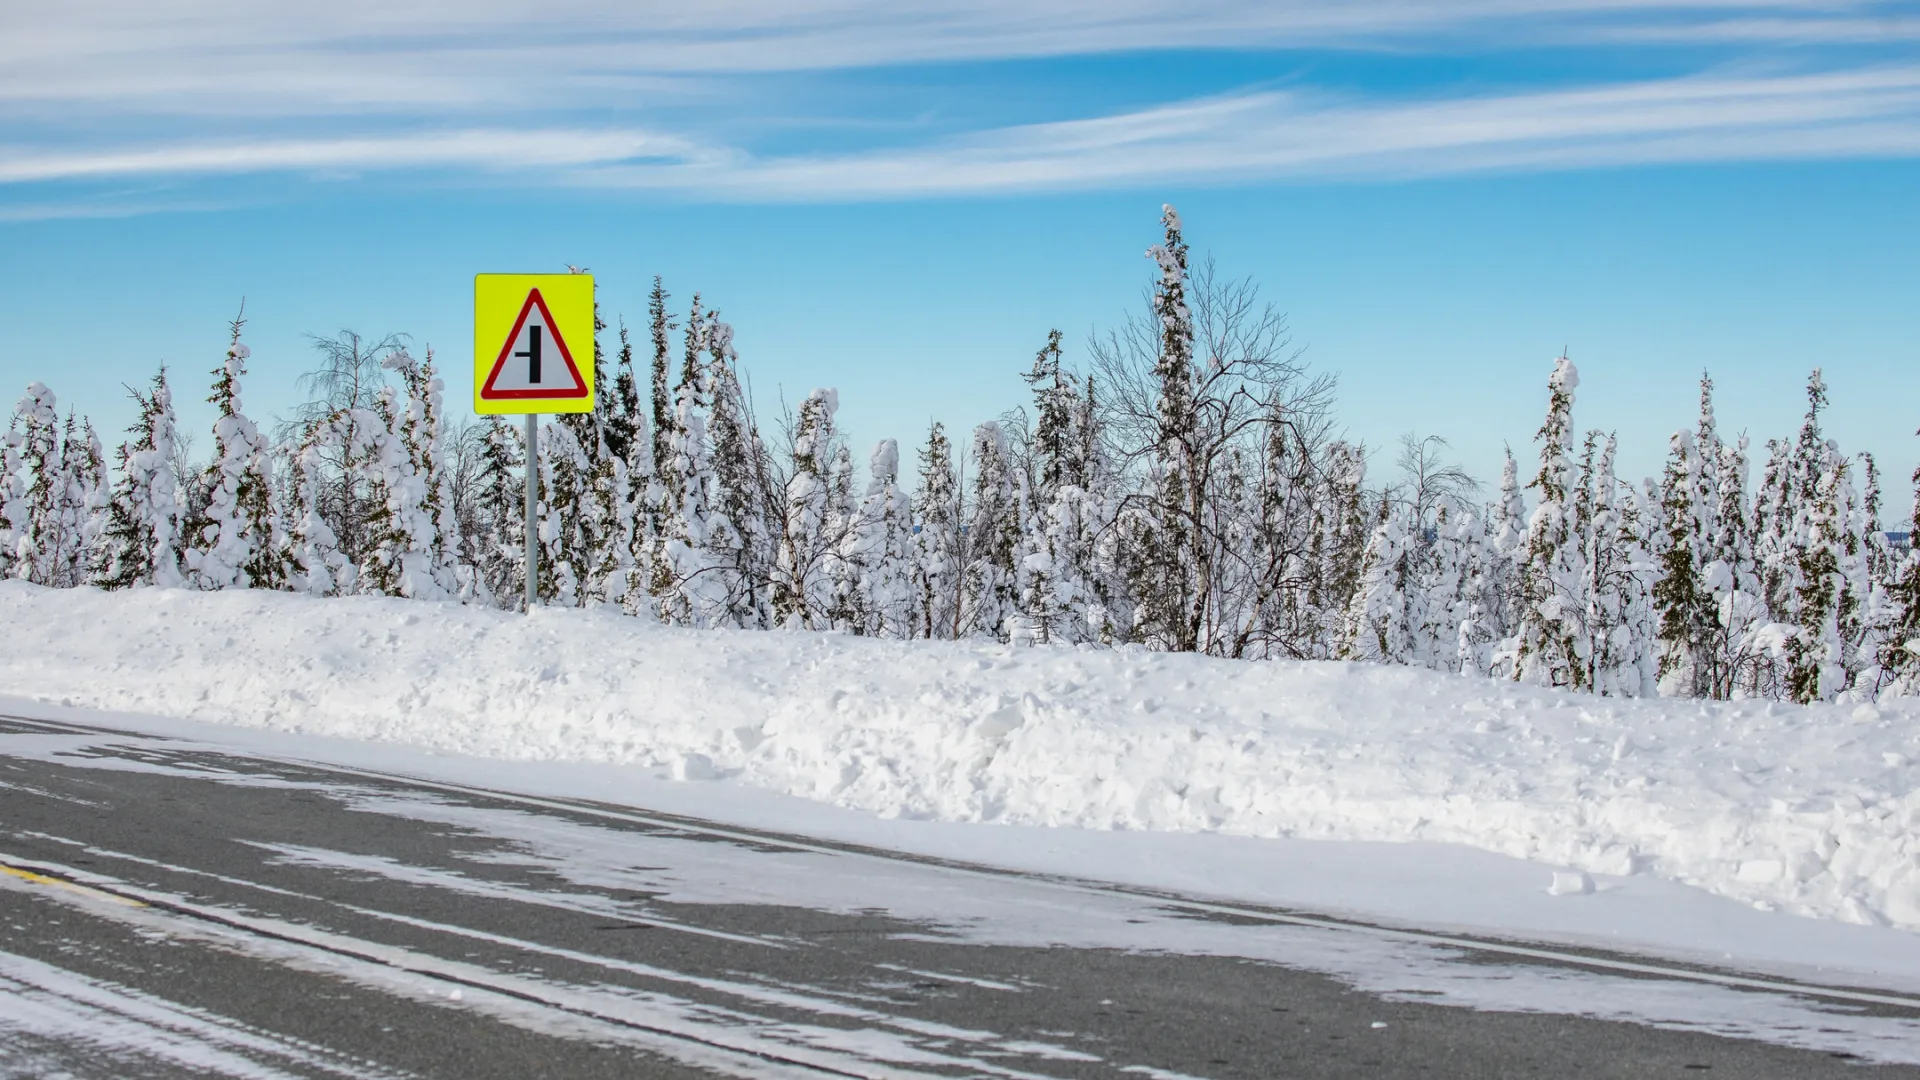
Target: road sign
(532, 343)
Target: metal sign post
(533, 510)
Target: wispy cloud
(493, 149)
(1271, 135)
(1261, 135)
(592, 93)
(239, 57)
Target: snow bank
(1811, 810)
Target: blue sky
(901, 200)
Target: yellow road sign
(532, 343)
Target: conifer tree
(13, 502)
(881, 547)
(1379, 625)
(234, 542)
(739, 541)
(1167, 541)
(1618, 618)
(413, 529)
(37, 483)
(1548, 647)
(1815, 481)
(937, 562)
(802, 585)
(140, 541)
(1053, 562)
(83, 496)
(564, 537)
(315, 564)
(687, 591)
(663, 483)
(988, 586)
(1686, 616)
(1900, 649)
(499, 546)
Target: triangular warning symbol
(535, 362)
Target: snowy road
(174, 908)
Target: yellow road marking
(62, 883)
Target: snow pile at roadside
(1812, 810)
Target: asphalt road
(173, 909)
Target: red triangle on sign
(522, 371)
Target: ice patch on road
(50, 1011)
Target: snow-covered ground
(1700, 827)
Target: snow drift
(1812, 810)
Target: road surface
(176, 909)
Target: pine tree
(802, 586)
(414, 533)
(662, 483)
(565, 537)
(1549, 649)
(1382, 620)
(686, 591)
(13, 501)
(739, 541)
(315, 564)
(499, 545)
(1168, 547)
(234, 542)
(937, 562)
(38, 487)
(82, 503)
(1622, 659)
(988, 586)
(881, 547)
(1816, 481)
(1685, 612)
(1054, 557)
(1900, 655)
(1732, 583)
(140, 542)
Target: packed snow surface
(1808, 810)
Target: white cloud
(1285, 134)
(500, 150)
(577, 92)
(345, 56)
(1262, 135)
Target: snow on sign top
(532, 343)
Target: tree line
(1188, 492)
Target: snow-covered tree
(739, 541)
(415, 536)
(566, 530)
(1618, 620)
(1550, 647)
(802, 582)
(498, 543)
(1167, 551)
(988, 587)
(1384, 617)
(937, 559)
(686, 588)
(234, 542)
(139, 544)
(82, 509)
(880, 548)
(1900, 649)
(315, 564)
(35, 488)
